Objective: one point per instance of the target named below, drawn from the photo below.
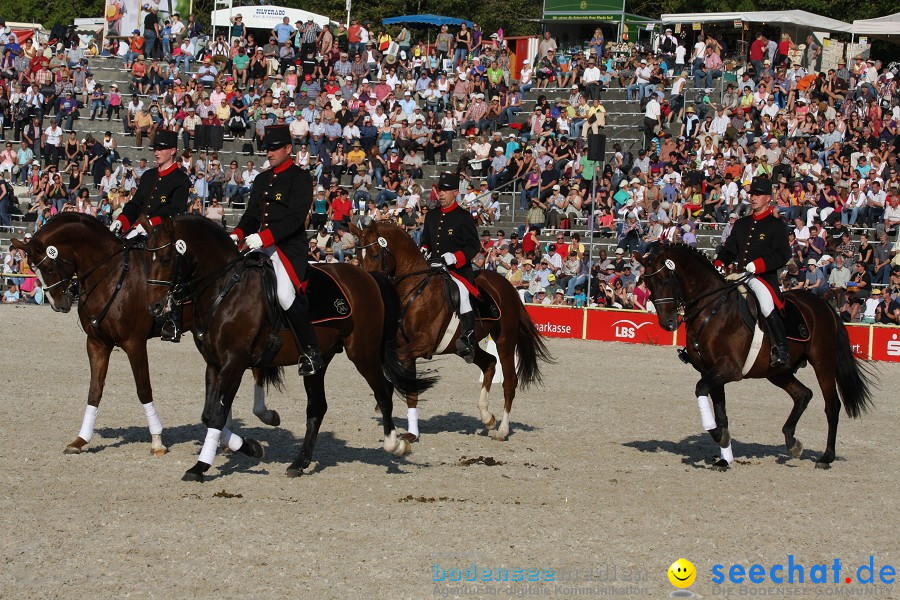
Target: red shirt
(341, 208)
(757, 48)
(528, 243)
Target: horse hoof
(251, 448)
(492, 423)
(274, 419)
(497, 436)
(796, 449)
(721, 465)
(726, 439)
(402, 447)
(823, 465)
(190, 475)
(72, 449)
(159, 451)
(409, 437)
(293, 471)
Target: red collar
(449, 208)
(762, 215)
(283, 166)
(167, 170)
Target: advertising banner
(122, 17)
(886, 343)
(626, 326)
(557, 321)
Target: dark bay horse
(427, 326)
(76, 258)
(685, 287)
(234, 332)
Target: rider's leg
(296, 309)
(465, 345)
(779, 357)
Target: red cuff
(239, 232)
(760, 265)
(155, 221)
(126, 224)
(718, 264)
(267, 238)
(460, 259)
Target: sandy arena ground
(604, 478)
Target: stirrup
(465, 348)
(779, 358)
(310, 363)
(169, 332)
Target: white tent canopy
(887, 25)
(799, 18)
(265, 17)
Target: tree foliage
(516, 17)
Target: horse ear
(144, 222)
(637, 256)
(20, 245)
(356, 231)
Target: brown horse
(76, 258)
(686, 288)
(429, 325)
(233, 330)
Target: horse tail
(532, 349)
(403, 379)
(271, 376)
(853, 377)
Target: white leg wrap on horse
(152, 418)
(726, 454)
(707, 419)
(259, 400)
(412, 421)
(210, 445)
(231, 439)
(87, 425)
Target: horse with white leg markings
(235, 328)
(686, 288)
(77, 259)
(429, 325)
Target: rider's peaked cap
(761, 185)
(277, 136)
(165, 140)
(448, 181)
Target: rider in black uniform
(451, 233)
(274, 223)
(759, 242)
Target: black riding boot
(465, 344)
(780, 358)
(298, 315)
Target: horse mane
(213, 236)
(403, 235)
(700, 256)
(97, 231)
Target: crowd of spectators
(368, 108)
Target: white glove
(253, 241)
(449, 259)
(750, 268)
(116, 226)
(235, 238)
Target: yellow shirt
(356, 156)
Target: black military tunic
(161, 194)
(453, 230)
(763, 241)
(279, 203)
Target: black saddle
(795, 325)
(486, 309)
(327, 301)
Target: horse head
(386, 248)
(163, 265)
(675, 275)
(69, 244)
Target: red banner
(557, 321)
(859, 340)
(636, 327)
(886, 343)
(626, 326)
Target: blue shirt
(283, 32)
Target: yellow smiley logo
(682, 573)
(449, 232)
